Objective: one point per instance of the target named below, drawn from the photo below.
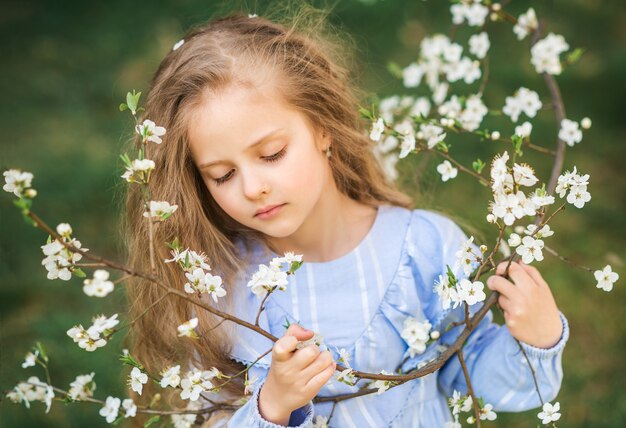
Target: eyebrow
(251, 146)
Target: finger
(299, 332)
(305, 356)
(534, 274)
(284, 347)
(502, 286)
(323, 360)
(319, 380)
(504, 303)
(519, 276)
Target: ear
(322, 138)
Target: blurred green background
(68, 64)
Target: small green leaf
(575, 55)
(394, 69)
(123, 106)
(132, 100)
(452, 279)
(365, 113)
(152, 420)
(443, 146)
(478, 165)
(79, 273)
(174, 245)
(294, 267)
(287, 323)
(42, 351)
(126, 160)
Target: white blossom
(377, 129)
(524, 100)
(514, 240)
(471, 292)
(82, 387)
(178, 44)
(432, 134)
(249, 384)
(545, 54)
(139, 171)
(196, 382)
(30, 360)
(99, 286)
(18, 182)
(64, 229)
(524, 130)
(320, 422)
(189, 260)
(570, 133)
(479, 44)
(59, 260)
(160, 210)
(487, 413)
(187, 328)
(474, 13)
(550, 413)
(606, 278)
(170, 377)
(137, 379)
(526, 23)
(446, 170)
(130, 409)
(412, 76)
(381, 385)
(111, 409)
(578, 196)
(267, 279)
(530, 249)
(187, 420)
(524, 175)
(466, 257)
(473, 114)
(407, 145)
(149, 131)
(346, 376)
(416, 334)
(544, 232)
(585, 123)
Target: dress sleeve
(498, 370)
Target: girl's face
(255, 152)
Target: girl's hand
(529, 309)
(295, 376)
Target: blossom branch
(469, 387)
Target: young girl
(265, 154)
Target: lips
(266, 209)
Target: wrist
(270, 409)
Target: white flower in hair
(178, 44)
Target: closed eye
(272, 158)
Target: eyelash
(273, 158)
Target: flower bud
(519, 229)
(434, 335)
(483, 248)
(30, 193)
(64, 230)
(495, 135)
(493, 16)
(585, 123)
(420, 135)
(491, 218)
(471, 420)
(496, 7)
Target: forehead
(231, 119)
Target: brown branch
(258, 315)
(469, 387)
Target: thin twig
(470, 390)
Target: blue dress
(360, 301)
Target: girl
(264, 154)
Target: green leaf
(174, 245)
(365, 113)
(478, 165)
(42, 351)
(126, 160)
(443, 146)
(575, 55)
(132, 100)
(123, 106)
(394, 69)
(79, 273)
(287, 323)
(294, 267)
(152, 420)
(451, 276)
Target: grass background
(67, 65)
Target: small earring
(328, 152)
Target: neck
(335, 226)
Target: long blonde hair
(316, 81)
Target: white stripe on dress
(366, 414)
(379, 276)
(365, 304)
(295, 310)
(312, 298)
(342, 408)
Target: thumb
(299, 332)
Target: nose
(254, 185)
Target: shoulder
(434, 229)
